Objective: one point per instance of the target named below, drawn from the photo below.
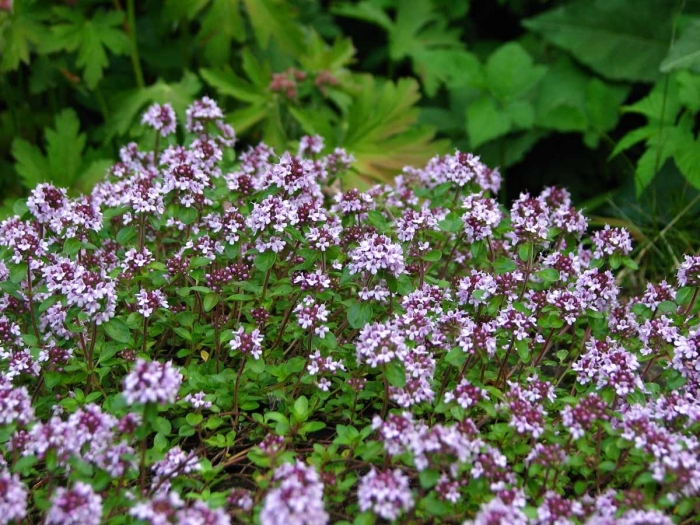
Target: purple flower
(611, 241)
(15, 403)
(176, 463)
(77, 506)
(466, 395)
(247, 344)
(152, 382)
(386, 493)
(481, 216)
(377, 252)
(380, 343)
(149, 301)
(498, 512)
(689, 271)
(311, 144)
(201, 112)
(13, 498)
(312, 316)
(161, 118)
(197, 400)
(158, 510)
(530, 218)
(580, 418)
(200, 513)
(296, 499)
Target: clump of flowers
(207, 340)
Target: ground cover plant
(201, 340)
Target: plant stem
(135, 60)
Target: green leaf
(162, 425)
(685, 52)
(367, 11)
(243, 119)
(22, 31)
(301, 408)
(687, 156)
(116, 329)
(548, 275)
(273, 18)
(454, 68)
(525, 251)
(71, 246)
(432, 256)
(602, 104)
(615, 39)
(210, 301)
(220, 26)
(91, 39)
(485, 121)
(511, 73)
(428, 478)
(264, 261)
(226, 82)
(395, 374)
(561, 98)
(381, 131)
(359, 314)
(64, 148)
(31, 164)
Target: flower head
(152, 382)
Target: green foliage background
(600, 96)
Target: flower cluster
(209, 340)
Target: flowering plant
(199, 341)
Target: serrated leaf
(22, 31)
(685, 52)
(366, 11)
(381, 131)
(226, 82)
(485, 121)
(603, 102)
(687, 157)
(616, 41)
(91, 39)
(455, 68)
(561, 98)
(64, 148)
(221, 24)
(271, 18)
(511, 72)
(31, 164)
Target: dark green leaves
(63, 163)
(117, 329)
(685, 52)
(91, 38)
(359, 314)
(616, 39)
(510, 75)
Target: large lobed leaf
(91, 38)
(618, 39)
(64, 163)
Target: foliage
(208, 340)
(549, 92)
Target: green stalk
(135, 60)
